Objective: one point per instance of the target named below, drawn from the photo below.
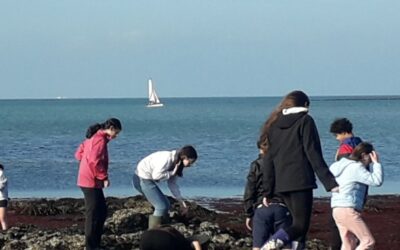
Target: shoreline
(219, 192)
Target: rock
(126, 221)
(124, 226)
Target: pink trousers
(352, 227)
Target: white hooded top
(353, 178)
(156, 167)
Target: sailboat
(154, 101)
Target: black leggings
(336, 241)
(300, 205)
(96, 213)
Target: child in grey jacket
(353, 178)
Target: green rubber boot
(154, 221)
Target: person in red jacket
(92, 154)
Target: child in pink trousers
(353, 178)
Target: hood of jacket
(289, 116)
(338, 167)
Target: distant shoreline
(313, 97)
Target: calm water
(39, 138)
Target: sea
(38, 139)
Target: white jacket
(353, 178)
(3, 186)
(156, 167)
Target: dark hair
(360, 149)
(110, 123)
(341, 125)
(262, 146)
(187, 151)
(295, 98)
(1, 166)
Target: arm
(312, 148)
(79, 152)
(3, 180)
(173, 186)
(98, 158)
(196, 245)
(374, 177)
(268, 176)
(250, 191)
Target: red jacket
(93, 157)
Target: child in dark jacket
(342, 128)
(261, 220)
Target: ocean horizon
(39, 138)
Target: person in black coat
(293, 157)
(261, 220)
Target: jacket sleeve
(312, 148)
(250, 191)
(98, 154)
(173, 186)
(268, 176)
(3, 180)
(79, 152)
(374, 177)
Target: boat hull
(156, 105)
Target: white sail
(154, 101)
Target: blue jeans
(153, 194)
(267, 220)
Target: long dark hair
(187, 151)
(295, 98)
(110, 123)
(360, 149)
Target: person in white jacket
(160, 166)
(3, 198)
(353, 178)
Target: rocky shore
(58, 224)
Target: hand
(335, 189)
(184, 208)
(184, 204)
(265, 201)
(374, 157)
(106, 183)
(248, 223)
(196, 245)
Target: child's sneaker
(273, 244)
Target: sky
(198, 48)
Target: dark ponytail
(112, 122)
(187, 151)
